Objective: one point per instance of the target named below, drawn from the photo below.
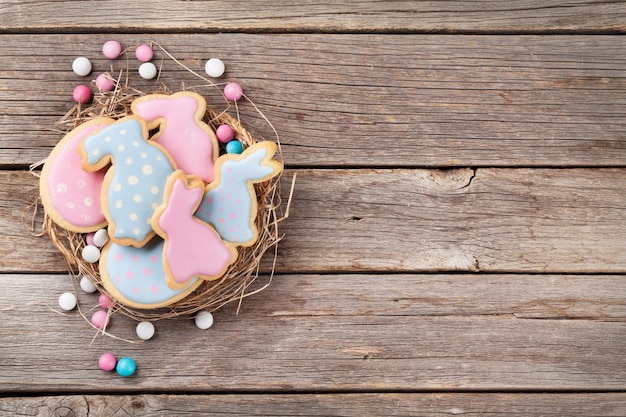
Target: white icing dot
(101, 237)
(118, 204)
(129, 160)
(107, 139)
(136, 231)
(70, 205)
(96, 152)
(67, 301)
(146, 169)
(88, 201)
(144, 155)
(117, 187)
(135, 143)
(204, 320)
(154, 190)
(81, 184)
(132, 180)
(86, 285)
(145, 330)
(137, 198)
(154, 206)
(60, 188)
(123, 132)
(133, 216)
(91, 254)
(158, 158)
(121, 148)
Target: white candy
(81, 66)
(101, 237)
(204, 320)
(214, 67)
(147, 70)
(91, 253)
(67, 301)
(145, 330)
(87, 285)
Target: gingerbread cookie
(133, 185)
(191, 142)
(193, 249)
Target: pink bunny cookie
(191, 142)
(192, 247)
(69, 194)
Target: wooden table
(457, 236)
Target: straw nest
(210, 295)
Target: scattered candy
(144, 53)
(104, 82)
(86, 285)
(147, 70)
(125, 367)
(105, 301)
(233, 91)
(81, 66)
(81, 94)
(100, 319)
(112, 49)
(234, 147)
(107, 362)
(214, 67)
(89, 238)
(91, 253)
(145, 330)
(67, 301)
(101, 237)
(204, 320)
(225, 133)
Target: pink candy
(81, 94)
(144, 53)
(112, 49)
(225, 133)
(105, 301)
(107, 362)
(100, 319)
(89, 238)
(233, 91)
(104, 82)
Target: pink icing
(193, 247)
(73, 193)
(191, 146)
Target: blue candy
(125, 367)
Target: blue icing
(140, 172)
(228, 206)
(138, 274)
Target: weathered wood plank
(509, 220)
(362, 100)
(323, 405)
(422, 345)
(319, 16)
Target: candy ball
(81, 94)
(144, 53)
(214, 67)
(145, 330)
(104, 82)
(91, 253)
(105, 301)
(81, 66)
(67, 301)
(147, 70)
(100, 319)
(234, 147)
(86, 285)
(233, 91)
(101, 237)
(204, 320)
(225, 133)
(112, 49)
(125, 367)
(89, 238)
(107, 362)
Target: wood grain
(328, 333)
(322, 405)
(318, 16)
(493, 220)
(400, 101)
